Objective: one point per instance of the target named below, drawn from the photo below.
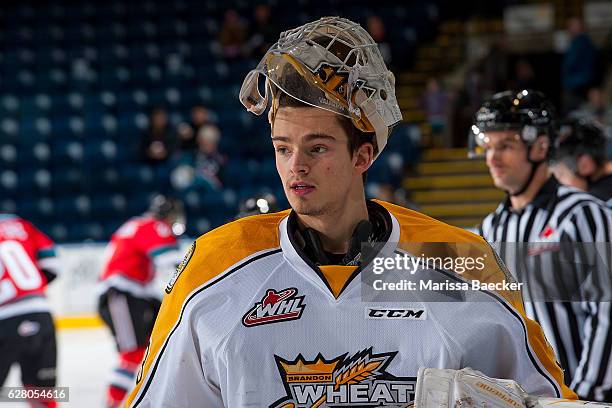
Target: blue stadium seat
(137, 203)
(10, 129)
(114, 77)
(57, 231)
(127, 126)
(103, 207)
(29, 107)
(51, 57)
(34, 130)
(9, 156)
(197, 225)
(43, 208)
(62, 105)
(9, 106)
(126, 102)
(9, 181)
(53, 80)
(67, 151)
(67, 179)
(101, 154)
(34, 155)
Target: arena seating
(77, 80)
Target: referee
(580, 159)
(515, 132)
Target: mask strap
(368, 109)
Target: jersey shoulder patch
(181, 267)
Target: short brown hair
(356, 138)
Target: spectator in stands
(495, 66)
(435, 102)
(201, 170)
(466, 103)
(159, 141)
(187, 132)
(377, 30)
(594, 109)
(263, 33)
(232, 35)
(524, 75)
(577, 71)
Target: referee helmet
(528, 112)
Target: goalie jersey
(249, 321)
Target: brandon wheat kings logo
(357, 381)
(275, 307)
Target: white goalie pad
(466, 388)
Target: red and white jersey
(24, 253)
(136, 250)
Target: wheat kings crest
(354, 381)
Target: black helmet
(577, 137)
(169, 208)
(527, 111)
(260, 204)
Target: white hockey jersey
(248, 322)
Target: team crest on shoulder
(360, 380)
(181, 267)
(275, 306)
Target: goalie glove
(467, 388)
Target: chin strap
(534, 167)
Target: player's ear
(585, 165)
(363, 157)
(540, 148)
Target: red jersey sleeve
(44, 247)
(156, 238)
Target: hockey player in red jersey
(27, 333)
(139, 250)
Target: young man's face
(313, 160)
(506, 156)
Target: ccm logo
(407, 314)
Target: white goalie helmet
(332, 64)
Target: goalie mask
(331, 64)
(527, 112)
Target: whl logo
(275, 307)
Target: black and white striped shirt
(559, 224)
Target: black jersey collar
(385, 236)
